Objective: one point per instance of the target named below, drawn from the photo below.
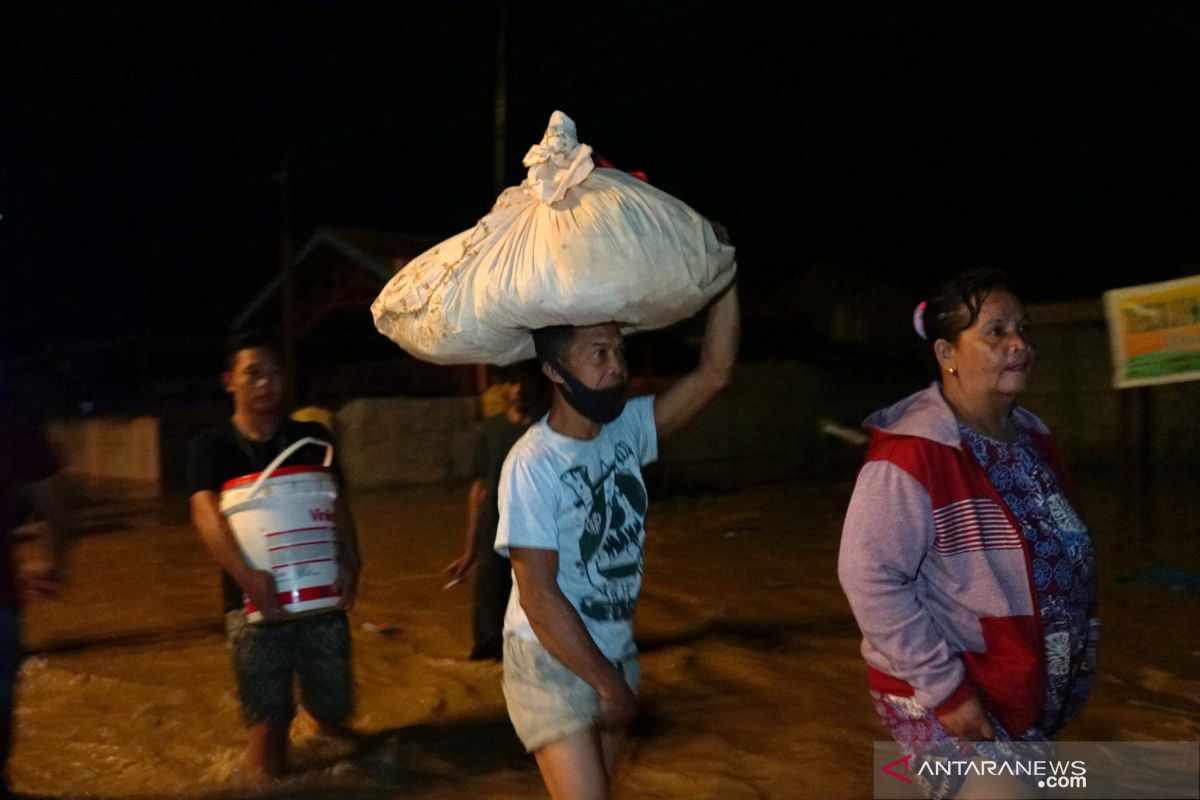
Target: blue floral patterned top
(1063, 570)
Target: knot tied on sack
(558, 162)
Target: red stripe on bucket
(301, 530)
(299, 596)
(252, 477)
(298, 563)
(298, 544)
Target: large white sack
(572, 245)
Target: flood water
(753, 685)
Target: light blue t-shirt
(587, 500)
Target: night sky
(138, 141)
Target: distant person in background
(27, 467)
(525, 399)
(269, 656)
(966, 566)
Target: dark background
(138, 140)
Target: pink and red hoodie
(937, 570)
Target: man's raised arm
(681, 403)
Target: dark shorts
(269, 658)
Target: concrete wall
(113, 458)
(405, 440)
(1071, 389)
(1174, 423)
(765, 427)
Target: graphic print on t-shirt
(610, 544)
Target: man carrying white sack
(572, 511)
(568, 254)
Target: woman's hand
(967, 722)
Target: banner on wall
(1154, 332)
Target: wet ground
(753, 686)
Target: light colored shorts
(546, 701)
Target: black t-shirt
(497, 434)
(222, 454)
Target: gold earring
(953, 370)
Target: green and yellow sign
(1154, 331)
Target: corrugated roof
(376, 252)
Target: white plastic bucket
(284, 521)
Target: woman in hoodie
(966, 566)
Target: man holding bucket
(290, 639)
(572, 520)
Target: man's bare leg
(267, 751)
(574, 768)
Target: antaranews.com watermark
(1084, 770)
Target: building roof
(377, 254)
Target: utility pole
(499, 133)
(287, 328)
(501, 97)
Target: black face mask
(598, 405)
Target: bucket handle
(279, 459)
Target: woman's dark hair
(954, 306)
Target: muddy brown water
(753, 685)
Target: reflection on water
(753, 683)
